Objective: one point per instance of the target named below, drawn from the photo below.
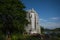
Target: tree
(42, 29)
(12, 16)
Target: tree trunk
(8, 37)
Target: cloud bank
(50, 23)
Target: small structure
(33, 26)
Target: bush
(2, 37)
(24, 37)
(31, 37)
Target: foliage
(56, 29)
(2, 36)
(24, 37)
(33, 38)
(12, 16)
(42, 29)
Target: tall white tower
(33, 26)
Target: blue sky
(48, 10)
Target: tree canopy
(12, 16)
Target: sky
(48, 11)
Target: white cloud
(50, 25)
(55, 18)
(43, 20)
